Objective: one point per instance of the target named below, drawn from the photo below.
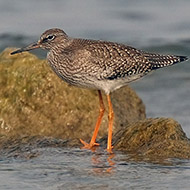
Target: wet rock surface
(39, 110)
(28, 147)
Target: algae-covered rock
(34, 101)
(154, 138)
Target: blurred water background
(157, 26)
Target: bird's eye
(50, 37)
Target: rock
(27, 147)
(153, 139)
(35, 102)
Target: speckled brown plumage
(99, 65)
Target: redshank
(101, 65)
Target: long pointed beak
(28, 48)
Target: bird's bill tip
(16, 51)
(28, 48)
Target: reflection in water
(101, 165)
(102, 162)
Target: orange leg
(110, 125)
(101, 113)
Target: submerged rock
(34, 101)
(158, 138)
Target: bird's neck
(61, 45)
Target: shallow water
(80, 169)
(157, 26)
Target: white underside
(111, 85)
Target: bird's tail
(159, 61)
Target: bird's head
(48, 40)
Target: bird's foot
(109, 150)
(89, 145)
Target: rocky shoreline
(39, 110)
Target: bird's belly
(111, 85)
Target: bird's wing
(108, 60)
(118, 60)
(114, 60)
